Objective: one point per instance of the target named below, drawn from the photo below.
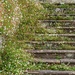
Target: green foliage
(30, 15)
(7, 16)
(61, 67)
(14, 60)
(42, 66)
(11, 16)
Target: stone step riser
(59, 17)
(52, 46)
(55, 61)
(49, 72)
(59, 31)
(50, 37)
(53, 54)
(58, 23)
(59, 27)
(63, 28)
(42, 43)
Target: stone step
(61, 15)
(51, 30)
(50, 45)
(50, 51)
(59, 27)
(58, 31)
(67, 35)
(54, 61)
(47, 38)
(53, 54)
(68, 28)
(58, 5)
(49, 72)
(57, 2)
(57, 23)
(50, 37)
(51, 42)
(47, 21)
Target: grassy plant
(31, 13)
(18, 16)
(14, 60)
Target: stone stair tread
(61, 15)
(51, 72)
(57, 3)
(71, 21)
(50, 51)
(52, 42)
(52, 34)
(56, 61)
(61, 27)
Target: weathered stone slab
(50, 72)
(58, 1)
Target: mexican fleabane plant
(13, 59)
(17, 16)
